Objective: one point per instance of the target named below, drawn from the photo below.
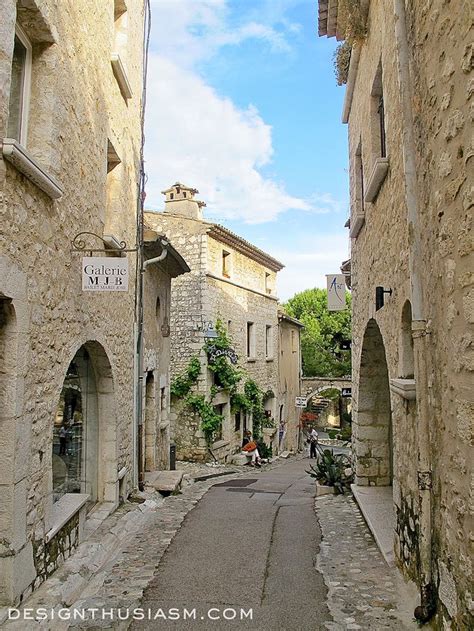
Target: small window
(225, 264)
(379, 140)
(383, 140)
(20, 88)
(171, 195)
(268, 288)
(184, 193)
(359, 178)
(250, 340)
(237, 422)
(269, 342)
(163, 399)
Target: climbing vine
(227, 376)
(183, 383)
(211, 421)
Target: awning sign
(101, 273)
(336, 292)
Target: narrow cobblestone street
(255, 540)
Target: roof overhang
(174, 262)
(219, 233)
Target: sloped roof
(219, 233)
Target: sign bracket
(79, 244)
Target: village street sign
(104, 274)
(346, 392)
(301, 402)
(214, 353)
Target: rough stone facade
(79, 124)
(289, 360)
(401, 358)
(237, 291)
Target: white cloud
(306, 268)
(199, 137)
(202, 139)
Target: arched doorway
(150, 422)
(84, 458)
(372, 420)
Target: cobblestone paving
(114, 566)
(364, 592)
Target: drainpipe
(427, 606)
(139, 396)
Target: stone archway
(372, 426)
(85, 436)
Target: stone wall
(441, 62)
(201, 297)
(289, 360)
(75, 107)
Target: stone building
(155, 436)
(409, 105)
(234, 282)
(289, 370)
(70, 112)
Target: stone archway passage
(310, 386)
(372, 427)
(84, 446)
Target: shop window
(20, 88)
(75, 433)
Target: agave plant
(332, 470)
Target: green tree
(323, 333)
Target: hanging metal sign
(346, 392)
(214, 353)
(336, 286)
(104, 274)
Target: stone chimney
(180, 201)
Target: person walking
(313, 441)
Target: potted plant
(332, 471)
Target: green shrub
(332, 470)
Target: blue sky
(243, 105)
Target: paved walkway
(248, 545)
(251, 543)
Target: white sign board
(301, 402)
(100, 273)
(336, 292)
